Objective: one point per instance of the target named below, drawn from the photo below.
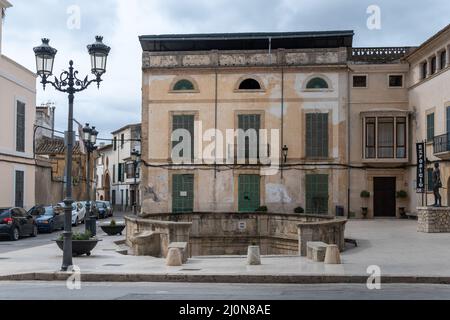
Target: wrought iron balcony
(441, 146)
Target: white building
(17, 105)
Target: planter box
(80, 248)
(113, 230)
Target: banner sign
(421, 164)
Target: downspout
(349, 141)
(282, 122)
(215, 121)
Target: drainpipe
(282, 122)
(215, 120)
(349, 140)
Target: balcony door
(384, 200)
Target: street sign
(421, 164)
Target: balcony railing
(379, 55)
(441, 143)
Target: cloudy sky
(117, 103)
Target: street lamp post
(135, 157)
(89, 139)
(68, 82)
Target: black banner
(421, 165)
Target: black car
(104, 211)
(48, 218)
(16, 223)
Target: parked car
(48, 218)
(16, 223)
(78, 212)
(104, 209)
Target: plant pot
(253, 256)
(364, 212)
(80, 247)
(113, 230)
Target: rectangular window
(395, 81)
(127, 198)
(113, 197)
(430, 127)
(424, 70)
(121, 197)
(20, 127)
(430, 179)
(122, 140)
(360, 81)
(19, 189)
(317, 135)
(317, 193)
(115, 143)
(114, 173)
(385, 138)
(183, 193)
(121, 173)
(433, 65)
(371, 138)
(185, 122)
(130, 170)
(443, 59)
(401, 138)
(250, 124)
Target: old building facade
(17, 104)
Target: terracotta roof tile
(46, 146)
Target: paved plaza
(393, 245)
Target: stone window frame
(181, 78)
(361, 75)
(246, 77)
(395, 74)
(321, 76)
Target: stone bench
(146, 243)
(316, 250)
(183, 247)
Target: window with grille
(248, 145)
(385, 138)
(317, 135)
(20, 127)
(317, 193)
(185, 122)
(360, 81)
(184, 85)
(317, 83)
(19, 189)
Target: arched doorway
(107, 187)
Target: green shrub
(113, 223)
(79, 236)
(402, 194)
(262, 209)
(299, 210)
(365, 194)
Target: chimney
(4, 4)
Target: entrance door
(183, 193)
(249, 192)
(384, 197)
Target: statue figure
(437, 184)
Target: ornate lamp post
(68, 82)
(135, 158)
(89, 139)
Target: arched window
(183, 85)
(249, 84)
(317, 83)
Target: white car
(78, 212)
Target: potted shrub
(113, 228)
(254, 255)
(262, 209)
(82, 243)
(299, 210)
(365, 210)
(402, 210)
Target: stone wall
(231, 234)
(434, 220)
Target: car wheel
(35, 232)
(15, 234)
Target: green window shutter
(317, 135)
(184, 122)
(183, 193)
(247, 122)
(430, 127)
(317, 193)
(249, 193)
(19, 201)
(20, 127)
